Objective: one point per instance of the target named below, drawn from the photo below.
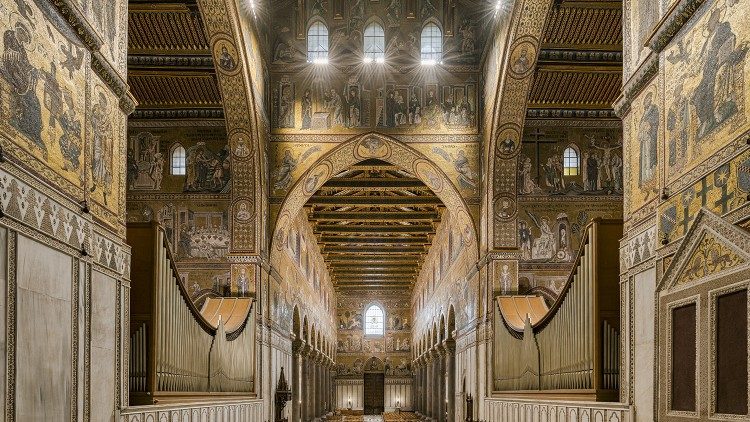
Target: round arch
(366, 308)
(372, 146)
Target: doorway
(374, 393)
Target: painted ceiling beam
(377, 182)
(364, 272)
(369, 216)
(364, 239)
(373, 201)
(370, 266)
(375, 228)
(374, 249)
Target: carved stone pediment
(710, 248)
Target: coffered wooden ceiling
(170, 69)
(579, 73)
(374, 224)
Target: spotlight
(430, 62)
(368, 60)
(320, 60)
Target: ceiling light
(368, 60)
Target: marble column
(331, 388)
(415, 387)
(297, 348)
(425, 383)
(423, 392)
(430, 385)
(437, 376)
(440, 385)
(314, 389)
(450, 369)
(316, 381)
(307, 400)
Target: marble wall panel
(3, 310)
(103, 336)
(644, 285)
(44, 344)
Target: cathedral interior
(375, 210)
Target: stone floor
(373, 419)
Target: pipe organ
(176, 351)
(572, 349)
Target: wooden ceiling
(579, 72)
(170, 69)
(374, 224)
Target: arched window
(178, 161)
(432, 44)
(374, 321)
(374, 47)
(570, 162)
(317, 43)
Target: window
(432, 44)
(374, 321)
(178, 161)
(374, 47)
(317, 43)
(570, 162)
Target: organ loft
(374, 210)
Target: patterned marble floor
(373, 418)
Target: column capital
(298, 346)
(449, 346)
(436, 352)
(307, 351)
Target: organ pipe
(575, 346)
(174, 349)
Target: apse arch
(363, 147)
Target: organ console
(572, 349)
(178, 352)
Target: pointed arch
(177, 160)
(318, 42)
(571, 160)
(442, 329)
(296, 324)
(451, 322)
(378, 146)
(431, 42)
(373, 41)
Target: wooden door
(374, 393)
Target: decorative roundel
(508, 141)
(372, 147)
(504, 208)
(226, 57)
(280, 237)
(240, 142)
(523, 57)
(316, 178)
(429, 175)
(243, 210)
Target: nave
(374, 210)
